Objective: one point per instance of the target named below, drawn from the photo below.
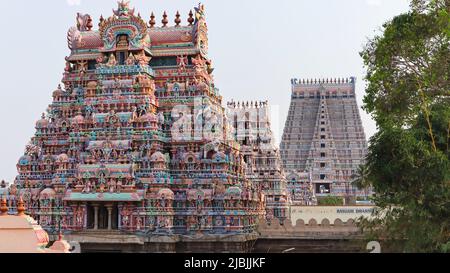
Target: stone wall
(331, 213)
(310, 237)
(311, 230)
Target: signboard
(331, 213)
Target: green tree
(408, 95)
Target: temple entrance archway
(102, 216)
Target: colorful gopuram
(252, 128)
(136, 138)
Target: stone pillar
(109, 208)
(119, 211)
(85, 218)
(95, 216)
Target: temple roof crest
(123, 9)
(200, 12)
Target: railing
(122, 69)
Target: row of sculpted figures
(158, 212)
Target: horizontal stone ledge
(314, 238)
(105, 239)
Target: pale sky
(257, 46)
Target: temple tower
(323, 141)
(134, 140)
(251, 126)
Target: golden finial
(152, 20)
(20, 207)
(177, 19)
(164, 20)
(191, 18)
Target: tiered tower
(323, 141)
(136, 140)
(252, 128)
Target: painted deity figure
(142, 59)
(199, 202)
(138, 223)
(125, 217)
(112, 119)
(112, 61)
(163, 223)
(151, 222)
(192, 223)
(131, 60)
(79, 216)
(135, 113)
(114, 153)
(203, 222)
(34, 200)
(123, 41)
(219, 221)
(100, 60)
(68, 67)
(88, 187)
(113, 185)
(182, 62)
(161, 118)
(102, 187)
(107, 149)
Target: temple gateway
(137, 141)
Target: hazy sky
(256, 46)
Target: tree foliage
(330, 201)
(408, 95)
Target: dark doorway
(90, 217)
(115, 217)
(102, 218)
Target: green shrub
(330, 201)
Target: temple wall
(330, 213)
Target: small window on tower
(122, 57)
(322, 154)
(323, 188)
(92, 65)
